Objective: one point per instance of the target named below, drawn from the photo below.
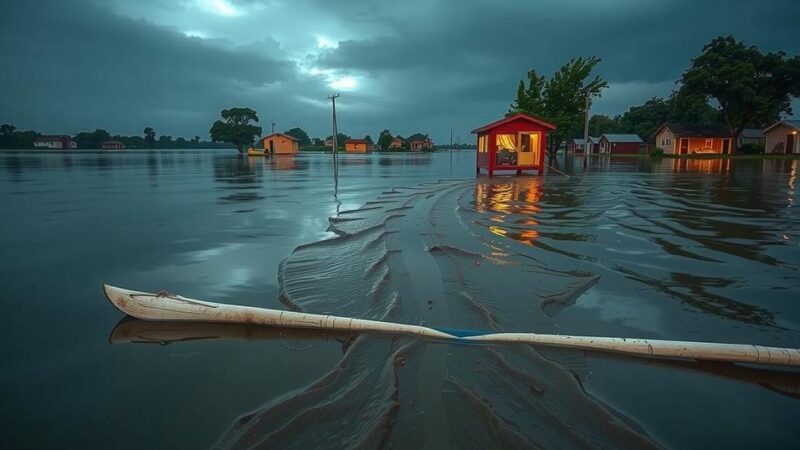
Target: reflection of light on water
(792, 180)
(510, 199)
(708, 166)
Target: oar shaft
(739, 353)
(148, 306)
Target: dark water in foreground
(696, 250)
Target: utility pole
(273, 127)
(335, 130)
(451, 149)
(586, 132)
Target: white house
(782, 137)
(684, 139)
(60, 142)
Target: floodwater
(691, 250)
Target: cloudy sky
(413, 65)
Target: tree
(93, 139)
(150, 136)
(385, 139)
(236, 129)
(599, 124)
(300, 135)
(561, 99)
(368, 138)
(751, 88)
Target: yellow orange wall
(281, 145)
(359, 147)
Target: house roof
(513, 117)
(356, 141)
(288, 136)
(694, 130)
(622, 138)
(789, 123)
(752, 133)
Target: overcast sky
(415, 65)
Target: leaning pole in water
(163, 306)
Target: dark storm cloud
(73, 65)
(638, 41)
(419, 65)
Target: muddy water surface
(700, 250)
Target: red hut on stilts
(517, 142)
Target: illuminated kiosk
(517, 143)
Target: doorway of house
(529, 149)
(684, 147)
(789, 144)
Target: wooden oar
(164, 306)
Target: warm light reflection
(514, 204)
(708, 166)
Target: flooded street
(703, 250)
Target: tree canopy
(561, 99)
(301, 135)
(750, 88)
(237, 128)
(385, 139)
(149, 136)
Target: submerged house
(112, 145)
(516, 142)
(61, 142)
(577, 145)
(397, 143)
(620, 144)
(682, 139)
(280, 144)
(751, 136)
(417, 145)
(358, 146)
(783, 137)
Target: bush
(751, 149)
(656, 153)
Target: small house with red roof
(112, 145)
(517, 142)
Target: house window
(506, 149)
(483, 143)
(708, 143)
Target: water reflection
(131, 330)
(708, 166)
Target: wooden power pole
(586, 132)
(335, 130)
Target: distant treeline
(11, 138)
(645, 119)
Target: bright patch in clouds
(220, 7)
(323, 42)
(344, 83)
(195, 33)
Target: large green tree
(301, 135)
(236, 128)
(751, 88)
(150, 136)
(385, 139)
(91, 139)
(561, 99)
(600, 123)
